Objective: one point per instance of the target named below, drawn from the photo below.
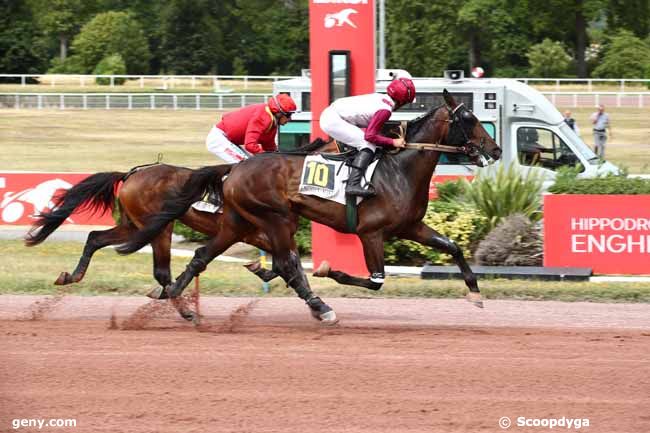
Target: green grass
(91, 141)
(100, 140)
(33, 270)
(629, 145)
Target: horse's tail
(96, 193)
(176, 204)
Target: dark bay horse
(141, 193)
(261, 194)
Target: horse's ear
(449, 99)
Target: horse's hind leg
(373, 251)
(425, 235)
(95, 241)
(161, 246)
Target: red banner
(23, 195)
(608, 233)
(347, 25)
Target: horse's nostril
(497, 153)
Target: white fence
(200, 101)
(108, 101)
(165, 82)
(215, 81)
(589, 82)
(590, 99)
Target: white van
(527, 126)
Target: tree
(192, 41)
(548, 59)
(626, 56)
(268, 36)
(420, 44)
(21, 51)
(62, 18)
(112, 33)
(632, 15)
(496, 33)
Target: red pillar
(336, 25)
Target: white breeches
(218, 144)
(342, 131)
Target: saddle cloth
(326, 178)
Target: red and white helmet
(402, 90)
(282, 104)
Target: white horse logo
(40, 197)
(339, 18)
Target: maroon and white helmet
(402, 90)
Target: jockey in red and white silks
(345, 117)
(250, 130)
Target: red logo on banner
(23, 195)
(608, 233)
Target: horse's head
(463, 130)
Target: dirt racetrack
(126, 364)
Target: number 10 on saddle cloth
(326, 178)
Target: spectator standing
(600, 121)
(571, 122)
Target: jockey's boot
(215, 199)
(357, 169)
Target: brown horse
(261, 194)
(141, 193)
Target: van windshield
(580, 146)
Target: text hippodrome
(615, 224)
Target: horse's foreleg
(290, 269)
(425, 235)
(373, 252)
(261, 241)
(95, 241)
(228, 234)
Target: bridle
(455, 120)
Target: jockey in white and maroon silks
(345, 117)
(250, 130)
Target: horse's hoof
(329, 318)
(321, 311)
(475, 299)
(253, 266)
(196, 320)
(158, 293)
(188, 315)
(171, 292)
(64, 278)
(323, 270)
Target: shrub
(189, 234)
(110, 65)
(516, 241)
(303, 236)
(498, 193)
(548, 59)
(626, 56)
(112, 33)
(461, 223)
(566, 182)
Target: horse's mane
(413, 126)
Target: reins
(427, 146)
